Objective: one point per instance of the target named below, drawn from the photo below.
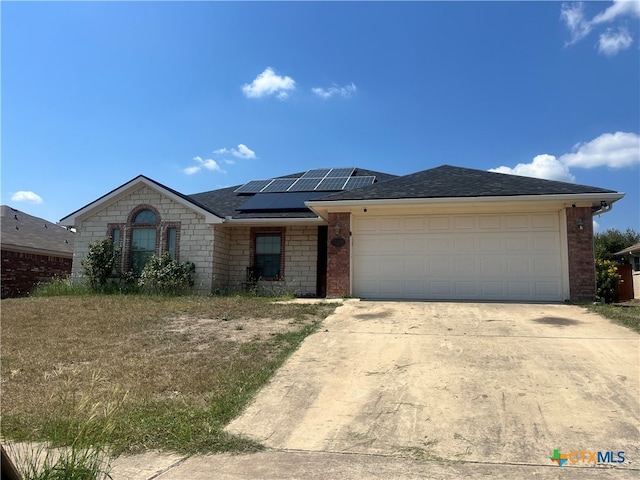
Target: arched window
(145, 216)
(143, 238)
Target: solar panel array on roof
(305, 185)
(357, 182)
(254, 186)
(319, 179)
(317, 173)
(278, 201)
(279, 185)
(329, 184)
(340, 172)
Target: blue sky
(202, 95)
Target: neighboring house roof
(26, 233)
(632, 250)
(447, 181)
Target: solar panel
(254, 186)
(332, 184)
(304, 184)
(260, 201)
(340, 172)
(294, 200)
(278, 201)
(357, 182)
(317, 173)
(279, 185)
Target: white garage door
(465, 257)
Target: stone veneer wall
(582, 275)
(300, 258)
(196, 237)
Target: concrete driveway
(496, 384)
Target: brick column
(339, 255)
(582, 275)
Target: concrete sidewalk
(273, 465)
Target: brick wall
(196, 236)
(21, 271)
(339, 257)
(582, 276)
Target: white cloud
(596, 225)
(542, 166)
(208, 164)
(268, 83)
(326, 93)
(610, 43)
(243, 152)
(26, 197)
(573, 16)
(619, 8)
(614, 150)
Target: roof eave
(111, 197)
(274, 221)
(321, 207)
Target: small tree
(101, 260)
(607, 243)
(607, 279)
(165, 276)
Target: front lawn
(136, 372)
(627, 315)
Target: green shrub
(607, 279)
(165, 276)
(100, 263)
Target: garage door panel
(466, 289)
(517, 244)
(438, 223)
(519, 289)
(517, 265)
(464, 223)
(543, 288)
(441, 289)
(437, 244)
(544, 221)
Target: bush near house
(607, 279)
(101, 261)
(605, 245)
(165, 276)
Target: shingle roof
(224, 202)
(633, 249)
(447, 181)
(21, 231)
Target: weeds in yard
(41, 462)
(60, 286)
(63, 356)
(625, 315)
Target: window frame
(125, 241)
(258, 232)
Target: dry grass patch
(139, 372)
